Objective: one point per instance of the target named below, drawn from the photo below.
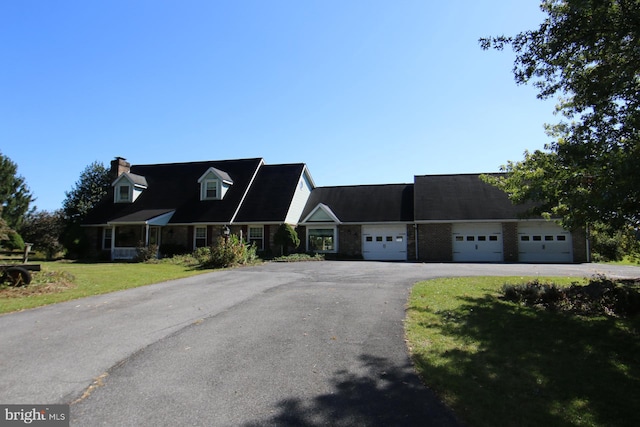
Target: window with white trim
(210, 189)
(124, 193)
(321, 239)
(200, 237)
(256, 235)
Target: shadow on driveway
(385, 395)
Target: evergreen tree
(286, 237)
(92, 187)
(15, 197)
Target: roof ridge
(200, 162)
(460, 174)
(366, 185)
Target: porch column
(113, 241)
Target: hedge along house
(182, 206)
(439, 218)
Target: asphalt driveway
(316, 343)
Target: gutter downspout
(415, 232)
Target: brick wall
(350, 240)
(94, 242)
(411, 242)
(580, 248)
(435, 243)
(302, 235)
(510, 241)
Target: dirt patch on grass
(43, 282)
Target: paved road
(317, 343)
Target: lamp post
(225, 233)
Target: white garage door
(480, 242)
(544, 242)
(384, 242)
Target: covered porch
(124, 235)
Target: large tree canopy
(88, 191)
(15, 197)
(586, 53)
(44, 229)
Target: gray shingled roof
(270, 196)
(365, 203)
(461, 198)
(136, 179)
(174, 186)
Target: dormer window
(214, 184)
(124, 193)
(128, 187)
(210, 189)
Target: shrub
(226, 252)
(613, 244)
(300, 257)
(14, 241)
(601, 296)
(202, 255)
(286, 237)
(533, 293)
(146, 253)
(168, 250)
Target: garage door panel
(544, 242)
(477, 242)
(384, 243)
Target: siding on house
(300, 197)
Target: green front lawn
(497, 363)
(63, 281)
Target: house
(182, 206)
(369, 221)
(437, 218)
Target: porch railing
(123, 253)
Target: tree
(4, 228)
(286, 237)
(586, 53)
(92, 186)
(44, 229)
(15, 197)
(13, 241)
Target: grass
(64, 281)
(627, 260)
(499, 363)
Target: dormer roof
(137, 180)
(222, 175)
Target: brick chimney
(119, 165)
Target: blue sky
(362, 91)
